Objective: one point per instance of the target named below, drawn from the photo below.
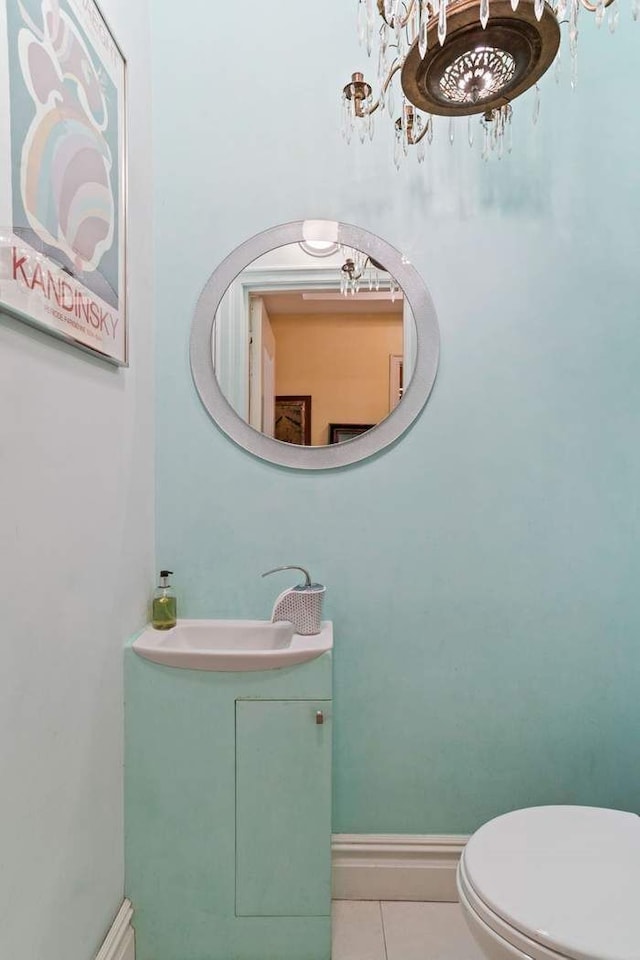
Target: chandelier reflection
(459, 58)
(362, 272)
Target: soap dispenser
(301, 605)
(164, 603)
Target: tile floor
(395, 930)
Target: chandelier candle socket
(459, 58)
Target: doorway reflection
(297, 355)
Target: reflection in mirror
(313, 344)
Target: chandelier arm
(407, 17)
(419, 138)
(389, 77)
(374, 106)
(592, 7)
(403, 20)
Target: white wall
(76, 566)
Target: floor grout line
(384, 932)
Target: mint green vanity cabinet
(228, 811)
(283, 807)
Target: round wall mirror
(314, 344)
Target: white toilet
(554, 883)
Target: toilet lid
(566, 877)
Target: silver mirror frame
(332, 455)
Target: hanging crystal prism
(405, 126)
(442, 21)
(370, 124)
(470, 131)
(347, 119)
(390, 98)
(361, 124)
(557, 70)
(484, 13)
(423, 36)
(635, 9)
(416, 21)
(514, 5)
(509, 129)
(614, 17)
(573, 42)
(370, 27)
(488, 124)
(430, 129)
(599, 17)
(403, 46)
(561, 10)
(485, 140)
(398, 152)
(536, 105)
(397, 26)
(538, 9)
(420, 148)
(382, 52)
(493, 132)
(573, 28)
(349, 127)
(361, 21)
(389, 6)
(452, 131)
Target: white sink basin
(231, 645)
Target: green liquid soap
(164, 609)
(164, 613)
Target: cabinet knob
(319, 717)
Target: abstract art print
(62, 173)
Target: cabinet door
(283, 808)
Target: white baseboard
(119, 943)
(395, 866)
(364, 867)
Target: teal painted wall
(482, 574)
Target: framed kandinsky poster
(62, 173)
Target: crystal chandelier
(360, 271)
(459, 58)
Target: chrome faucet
(300, 605)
